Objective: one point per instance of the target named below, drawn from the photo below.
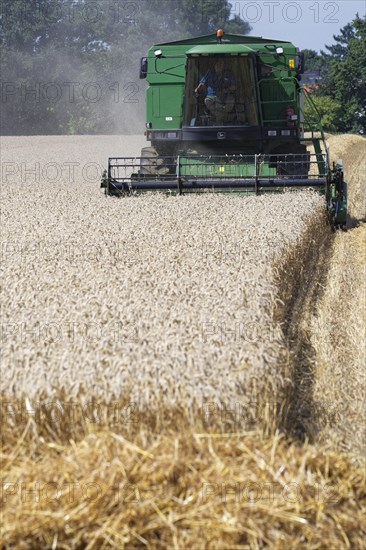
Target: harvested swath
(185, 490)
(336, 328)
(339, 338)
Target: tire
(151, 163)
(294, 162)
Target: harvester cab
(226, 113)
(221, 94)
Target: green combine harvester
(226, 113)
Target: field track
(338, 324)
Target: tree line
(72, 66)
(340, 93)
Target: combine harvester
(226, 113)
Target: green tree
(340, 48)
(345, 81)
(329, 112)
(315, 62)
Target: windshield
(220, 90)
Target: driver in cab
(221, 86)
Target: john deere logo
(221, 135)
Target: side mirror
(143, 67)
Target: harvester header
(225, 112)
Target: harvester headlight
(279, 51)
(166, 135)
(148, 125)
(272, 132)
(158, 53)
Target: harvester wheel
(151, 163)
(291, 162)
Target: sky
(306, 23)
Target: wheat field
(175, 357)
